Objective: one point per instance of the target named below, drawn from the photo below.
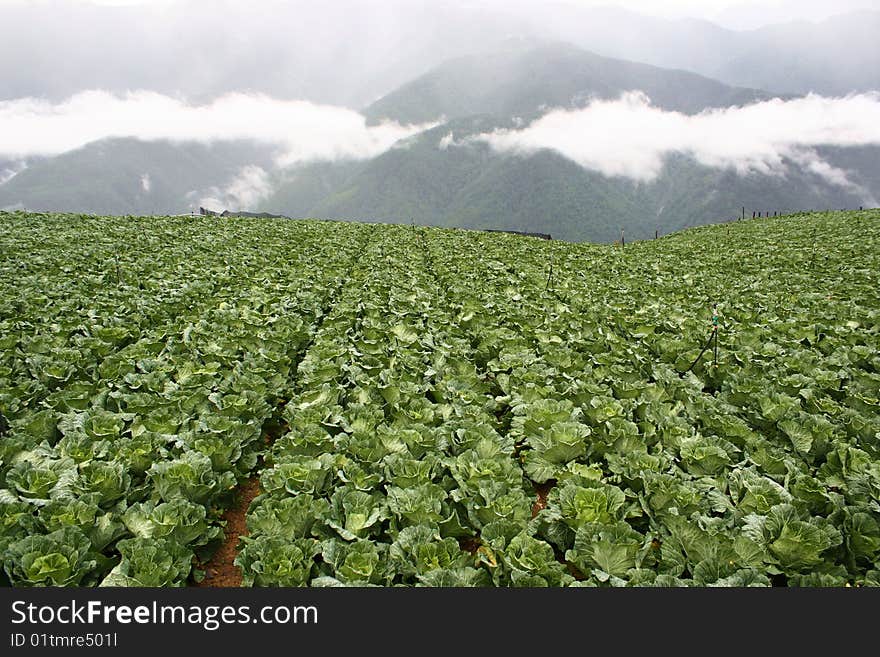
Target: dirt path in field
(221, 570)
(542, 490)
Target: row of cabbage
(445, 377)
(570, 371)
(395, 470)
(77, 289)
(117, 469)
(761, 470)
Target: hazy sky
(735, 14)
(351, 52)
(296, 74)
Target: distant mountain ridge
(442, 178)
(129, 176)
(523, 83)
(832, 57)
(470, 185)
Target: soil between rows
(220, 570)
(542, 491)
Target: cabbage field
(430, 407)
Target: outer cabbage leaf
(180, 521)
(577, 505)
(358, 564)
(151, 562)
(189, 477)
(612, 549)
(101, 527)
(461, 577)
(404, 472)
(419, 549)
(299, 474)
(532, 562)
(275, 561)
(861, 534)
(61, 558)
(109, 480)
(288, 518)
(794, 544)
(554, 447)
(35, 482)
(355, 514)
(359, 476)
(417, 505)
(701, 456)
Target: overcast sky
(734, 14)
(351, 52)
(297, 74)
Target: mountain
(128, 176)
(517, 82)
(471, 186)
(443, 176)
(440, 177)
(834, 57)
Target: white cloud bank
(629, 137)
(303, 131)
(7, 173)
(251, 185)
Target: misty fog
(301, 80)
(630, 138)
(350, 52)
(626, 137)
(302, 131)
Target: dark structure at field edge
(258, 215)
(542, 236)
(268, 215)
(205, 212)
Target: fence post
(715, 331)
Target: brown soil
(543, 490)
(573, 571)
(220, 571)
(470, 544)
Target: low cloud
(446, 141)
(146, 184)
(251, 185)
(7, 173)
(811, 161)
(631, 138)
(301, 130)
